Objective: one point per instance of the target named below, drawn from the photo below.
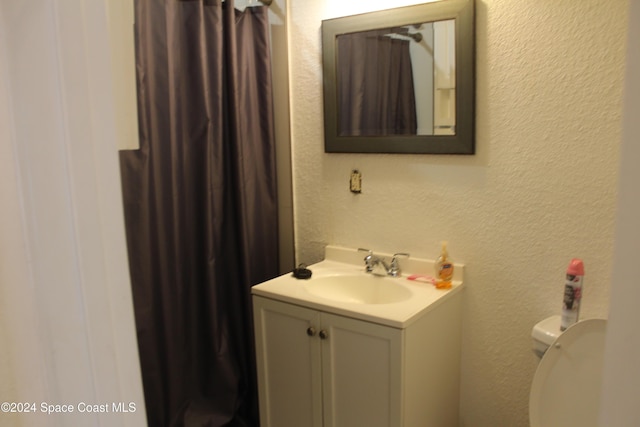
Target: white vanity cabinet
(319, 369)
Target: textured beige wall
(540, 190)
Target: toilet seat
(566, 386)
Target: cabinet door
(288, 362)
(361, 370)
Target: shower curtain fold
(376, 95)
(200, 206)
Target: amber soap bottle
(444, 269)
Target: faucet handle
(369, 253)
(368, 259)
(394, 268)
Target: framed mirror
(401, 80)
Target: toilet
(566, 386)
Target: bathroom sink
(340, 285)
(359, 289)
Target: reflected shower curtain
(200, 207)
(375, 85)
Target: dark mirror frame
(463, 142)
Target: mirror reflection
(397, 80)
(400, 80)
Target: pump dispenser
(444, 269)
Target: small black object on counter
(302, 272)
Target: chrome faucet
(374, 264)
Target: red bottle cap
(576, 267)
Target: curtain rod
(417, 37)
(264, 2)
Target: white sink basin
(359, 289)
(339, 285)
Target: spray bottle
(572, 294)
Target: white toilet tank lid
(567, 383)
(547, 330)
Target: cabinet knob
(323, 334)
(311, 331)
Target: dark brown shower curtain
(200, 206)
(376, 93)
